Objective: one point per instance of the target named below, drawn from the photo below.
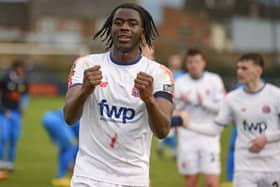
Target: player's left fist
(144, 84)
(258, 144)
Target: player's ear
(143, 40)
(260, 70)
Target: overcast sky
(155, 6)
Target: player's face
(174, 63)
(126, 30)
(195, 65)
(247, 71)
(20, 71)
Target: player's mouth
(240, 78)
(124, 38)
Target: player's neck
(254, 86)
(125, 57)
(196, 77)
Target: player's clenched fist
(92, 78)
(144, 84)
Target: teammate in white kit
(121, 98)
(200, 93)
(255, 110)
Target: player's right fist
(92, 78)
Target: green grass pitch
(36, 155)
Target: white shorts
(87, 182)
(199, 158)
(256, 179)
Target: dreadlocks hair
(150, 30)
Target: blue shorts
(10, 126)
(60, 133)
(3, 127)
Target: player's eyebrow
(129, 19)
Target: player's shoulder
(156, 68)
(149, 62)
(234, 93)
(212, 76)
(272, 88)
(92, 58)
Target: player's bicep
(72, 92)
(163, 88)
(163, 81)
(165, 105)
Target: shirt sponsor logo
(257, 127)
(115, 113)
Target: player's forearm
(211, 106)
(159, 118)
(273, 136)
(207, 129)
(73, 108)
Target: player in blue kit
(65, 138)
(14, 96)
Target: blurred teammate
(200, 93)
(148, 52)
(121, 98)
(65, 138)
(175, 65)
(14, 96)
(255, 111)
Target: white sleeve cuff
(273, 136)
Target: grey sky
(155, 6)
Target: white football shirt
(211, 90)
(254, 114)
(115, 137)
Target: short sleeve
(224, 117)
(219, 88)
(163, 81)
(76, 74)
